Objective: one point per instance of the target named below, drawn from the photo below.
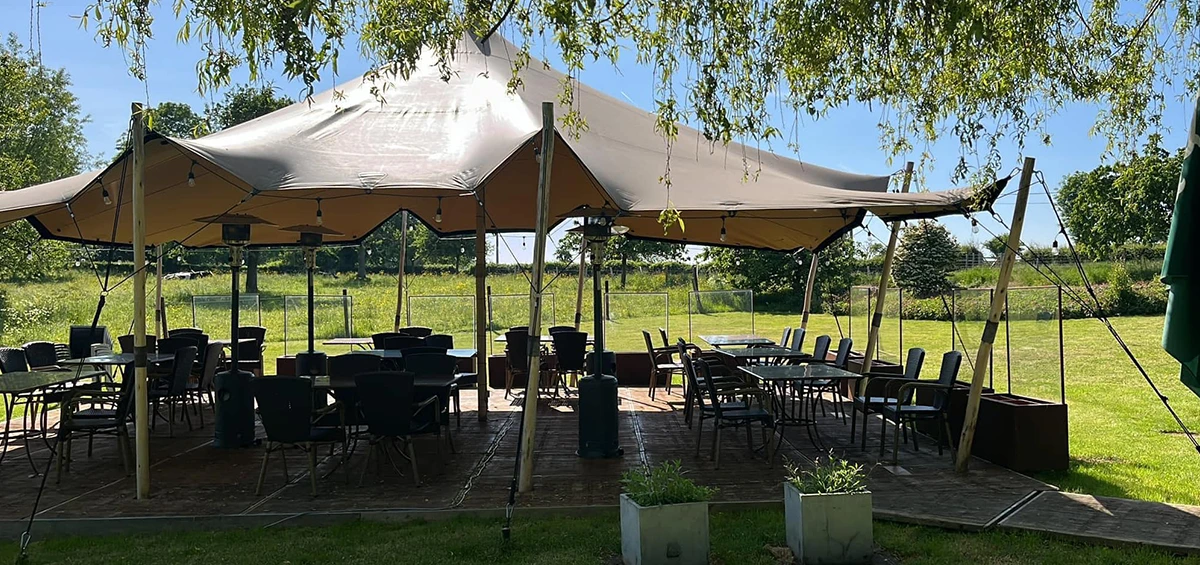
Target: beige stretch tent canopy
(379, 144)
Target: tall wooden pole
(400, 269)
(535, 298)
(160, 321)
(808, 292)
(481, 318)
(583, 245)
(884, 275)
(984, 355)
(141, 397)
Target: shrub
(831, 476)
(664, 484)
(925, 259)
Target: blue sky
(846, 139)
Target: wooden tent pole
(160, 321)
(583, 245)
(535, 298)
(400, 269)
(808, 292)
(481, 335)
(884, 275)
(984, 355)
(141, 396)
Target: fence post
(345, 314)
(1062, 367)
(696, 290)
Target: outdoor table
(397, 353)
(438, 385)
(225, 342)
(15, 385)
(118, 359)
(744, 355)
(785, 382)
(363, 342)
(502, 338)
(719, 341)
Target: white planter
(675, 534)
(828, 529)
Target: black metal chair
(694, 386)
(798, 339)
(391, 412)
(82, 338)
(901, 413)
(571, 349)
(126, 343)
(41, 356)
(416, 331)
(661, 364)
(746, 412)
(344, 368)
(820, 387)
(378, 339)
(556, 329)
(403, 342)
(422, 349)
(169, 345)
(444, 341)
(516, 360)
(173, 390)
(12, 360)
(250, 354)
(872, 386)
(183, 331)
(437, 366)
(662, 333)
(203, 386)
(285, 406)
(108, 413)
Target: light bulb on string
(320, 216)
(191, 178)
(724, 235)
(437, 216)
(522, 242)
(104, 194)
(1054, 247)
(974, 226)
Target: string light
(320, 216)
(192, 174)
(104, 194)
(1054, 247)
(437, 216)
(974, 226)
(724, 236)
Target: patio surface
(197, 484)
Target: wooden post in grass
(808, 291)
(884, 275)
(481, 335)
(535, 298)
(400, 269)
(984, 355)
(140, 392)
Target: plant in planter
(664, 517)
(828, 512)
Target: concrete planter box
(675, 534)
(828, 529)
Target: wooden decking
(197, 485)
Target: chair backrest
(649, 348)
(386, 402)
(350, 365)
(516, 350)
(821, 347)
(212, 361)
(257, 333)
(40, 354)
(251, 351)
(402, 342)
(181, 331)
(689, 371)
(798, 338)
(571, 349)
(951, 362)
(662, 333)
(710, 387)
(843, 352)
(787, 336)
(285, 405)
(444, 341)
(198, 339)
(416, 331)
(430, 365)
(125, 401)
(169, 345)
(181, 369)
(914, 362)
(126, 343)
(62, 351)
(83, 337)
(519, 329)
(12, 360)
(556, 329)
(378, 339)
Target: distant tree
(780, 273)
(997, 244)
(623, 249)
(172, 119)
(1129, 202)
(41, 139)
(926, 256)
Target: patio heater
(310, 362)
(598, 413)
(234, 412)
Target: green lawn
(1123, 443)
(737, 538)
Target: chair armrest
(329, 409)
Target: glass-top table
(463, 353)
(817, 371)
(18, 386)
(727, 340)
(793, 398)
(111, 359)
(745, 354)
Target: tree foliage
(622, 248)
(926, 256)
(41, 139)
(1124, 203)
(786, 274)
(977, 70)
(997, 244)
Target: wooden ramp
(1111, 521)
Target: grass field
(1123, 443)
(750, 538)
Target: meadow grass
(751, 538)
(1123, 443)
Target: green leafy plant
(664, 484)
(833, 475)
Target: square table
(744, 355)
(362, 342)
(722, 340)
(465, 353)
(786, 381)
(15, 384)
(118, 359)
